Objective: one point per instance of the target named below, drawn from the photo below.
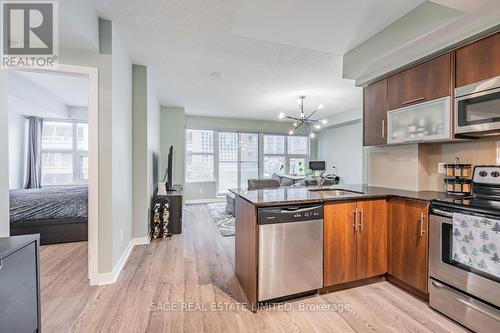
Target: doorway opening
(53, 156)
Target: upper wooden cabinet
(355, 241)
(424, 82)
(375, 114)
(478, 61)
(408, 242)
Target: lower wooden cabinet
(339, 243)
(355, 241)
(371, 242)
(408, 242)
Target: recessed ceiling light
(215, 75)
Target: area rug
(225, 222)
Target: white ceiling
(323, 25)
(184, 41)
(269, 52)
(68, 90)
(428, 29)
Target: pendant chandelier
(303, 120)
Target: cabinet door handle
(383, 128)
(422, 219)
(355, 225)
(362, 218)
(414, 100)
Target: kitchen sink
(334, 192)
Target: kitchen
(399, 227)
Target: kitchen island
(369, 234)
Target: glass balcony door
(238, 159)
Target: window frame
(239, 161)
(187, 153)
(260, 154)
(286, 155)
(75, 152)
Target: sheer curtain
(34, 154)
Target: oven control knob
(495, 174)
(483, 173)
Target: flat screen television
(170, 171)
(317, 165)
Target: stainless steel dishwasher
(290, 250)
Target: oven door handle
(441, 212)
(461, 300)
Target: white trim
(92, 74)
(141, 240)
(112, 277)
(202, 201)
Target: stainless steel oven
(464, 254)
(477, 108)
(463, 293)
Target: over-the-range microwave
(477, 108)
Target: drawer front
(18, 291)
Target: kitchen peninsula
(368, 234)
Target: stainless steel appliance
(467, 290)
(477, 108)
(290, 250)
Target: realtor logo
(29, 33)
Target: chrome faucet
(322, 178)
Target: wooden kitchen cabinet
(424, 82)
(408, 242)
(375, 114)
(354, 252)
(478, 61)
(371, 241)
(339, 243)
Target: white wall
(342, 146)
(122, 147)
(17, 149)
(4, 158)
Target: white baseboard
(203, 201)
(141, 240)
(109, 278)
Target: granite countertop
(303, 194)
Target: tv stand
(174, 198)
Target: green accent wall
(173, 132)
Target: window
(249, 157)
(285, 154)
(238, 159)
(199, 155)
(64, 153)
(228, 161)
(231, 158)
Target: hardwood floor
(196, 270)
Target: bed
(58, 214)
